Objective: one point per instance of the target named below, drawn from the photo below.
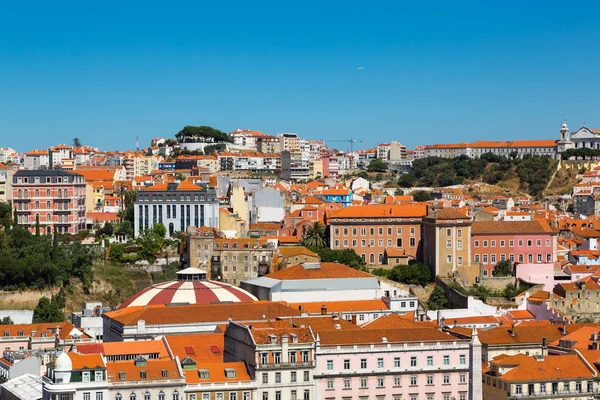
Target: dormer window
(203, 374)
(164, 373)
(44, 334)
(6, 333)
(143, 374)
(121, 376)
(229, 373)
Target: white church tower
(565, 142)
(475, 373)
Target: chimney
(594, 336)
(324, 309)
(512, 330)
(544, 347)
(354, 319)
(301, 307)
(564, 328)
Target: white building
(177, 205)
(76, 377)
(90, 319)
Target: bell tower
(565, 142)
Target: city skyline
(415, 74)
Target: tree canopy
(314, 235)
(76, 142)
(503, 268)
(377, 165)
(48, 311)
(438, 299)
(421, 196)
(534, 172)
(411, 274)
(346, 256)
(206, 132)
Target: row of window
(172, 197)
(292, 396)
(293, 377)
(60, 193)
(380, 243)
(381, 381)
(492, 258)
(380, 231)
(48, 179)
(220, 396)
(462, 360)
(511, 243)
(146, 396)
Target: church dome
(63, 362)
(191, 287)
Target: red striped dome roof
(190, 287)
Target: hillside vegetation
(530, 174)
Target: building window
(277, 377)
(380, 382)
(329, 365)
(87, 396)
(330, 384)
(446, 379)
(293, 376)
(396, 362)
(476, 243)
(430, 379)
(363, 363)
(380, 363)
(429, 361)
(306, 376)
(449, 243)
(347, 383)
(363, 383)
(265, 377)
(462, 378)
(518, 389)
(462, 359)
(446, 360)
(413, 380)
(413, 361)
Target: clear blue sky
(433, 71)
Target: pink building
(52, 198)
(532, 242)
(406, 360)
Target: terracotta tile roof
(262, 336)
(335, 192)
(416, 210)
(328, 270)
(320, 323)
(296, 251)
(523, 334)
(102, 216)
(507, 227)
(91, 175)
(480, 319)
(153, 370)
(551, 368)
(521, 314)
(125, 348)
(447, 213)
(49, 329)
(341, 306)
(395, 321)
(202, 313)
(86, 361)
(369, 335)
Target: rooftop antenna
(137, 143)
(562, 119)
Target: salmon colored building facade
(372, 229)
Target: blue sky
(433, 71)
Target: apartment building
(177, 205)
(36, 159)
(446, 241)
(517, 241)
(282, 360)
(6, 174)
(267, 144)
(76, 377)
(52, 198)
(411, 361)
(566, 376)
(372, 229)
(500, 148)
(228, 260)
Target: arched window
(176, 395)
(37, 192)
(19, 193)
(161, 395)
(48, 217)
(147, 396)
(132, 396)
(37, 204)
(364, 257)
(37, 217)
(59, 193)
(26, 193)
(48, 229)
(118, 396)
(380, 258)
(48, 194)
(372, 258)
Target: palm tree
(314, 236)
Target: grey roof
(44, 172)
(309, 285)
(26, 387)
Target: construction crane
(351, 141)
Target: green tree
(398, 192)
(438, 299)
(363, 174)
(159, 230)
(346, 256)
(421, 196)
(202, 132)
(314, 235)
(5, 213)
(47, 311)
(76, 142)
(6, 321)
(407, 180)
(411, 274)
(503, 268)
(37, 225)
(377, 165)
